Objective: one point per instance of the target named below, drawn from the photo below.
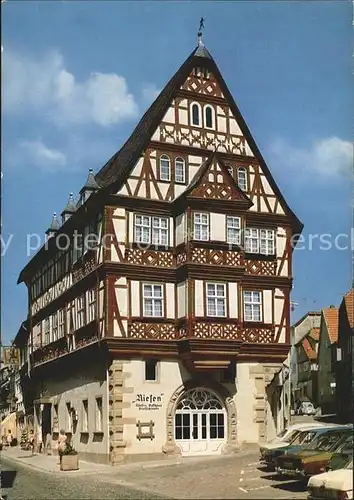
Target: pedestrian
(61, 444)
(32, 441)
(9, 439)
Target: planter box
(69, 462)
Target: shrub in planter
(69, 459)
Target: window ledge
(84, 432)
(98, 432)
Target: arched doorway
(200, 422)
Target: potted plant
(69, 459)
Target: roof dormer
(69, 209)
(54, 227)
(90, 187)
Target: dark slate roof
(70, 206)
(90, 183)
(54, 224)
(202, 51)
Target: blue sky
(78, 75)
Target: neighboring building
(306, 355)
(310, 322)
(326, 371)
(164, 334)
(344, 369)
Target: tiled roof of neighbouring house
(331, 317)
(349, 305)
(310, 352)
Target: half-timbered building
(159, 306)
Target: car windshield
(282, 433)
(344, 445)
(303, 437)
(325, 441)
(293, 436)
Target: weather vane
(200, 33)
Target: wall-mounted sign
(145, 401)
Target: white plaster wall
(198, 298)
(170, 300)
(267, 306)
(217, 227)
(247, 428)
(88, 383)
(170, 376)
(135, 297)
(122, 301)
(233, 299)
(180, 229)
(181, 299)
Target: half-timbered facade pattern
(179, 248)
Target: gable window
(195, 115)
(91, 304)
(180, 171)
(206, 73)
(233, 229)
(153, 300)
(252, 302)
(80, 311)
(47, 330)
(267, 246)
(61, 328)
(216, 299)
(209, 115)
(165, 168)
(151, 370)
(201, 227)
(260, 241)
(55, 326)
(159, 231)
(242, 178)
(151, 230)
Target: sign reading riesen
(148, 401)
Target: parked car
(299, 441)
(313, 458)
(287, 435)
(337, 484)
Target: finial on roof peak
(200, 33)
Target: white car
(336, 484)
(287, 435)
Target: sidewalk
(49, 463)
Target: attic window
(242, 178)
(206, 73)
(209, 117)
(196, 71)
(195, 114)
(165, 168)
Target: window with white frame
(195, 115)
(233, 229)
(99, 414)
(61, 328)
(242, 178)
(216, 299)
(151, 230)
(91, 299)
(260, 241)
(165, 168)
(201, 227)
(55, 326)
(251, 240)
(142, 229)
(208, 117)
(80, 304)
(153, 300)
(252, 303)
(267, 246)
(180, 170)
(85, 426)
(159, 233)
(47, 330)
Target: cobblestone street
(223, 477)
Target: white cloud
(328, 158)
(36, 153)
(149, 92)
(45, 86)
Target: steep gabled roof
(349, 306)
(118, 168)
(330, 315)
